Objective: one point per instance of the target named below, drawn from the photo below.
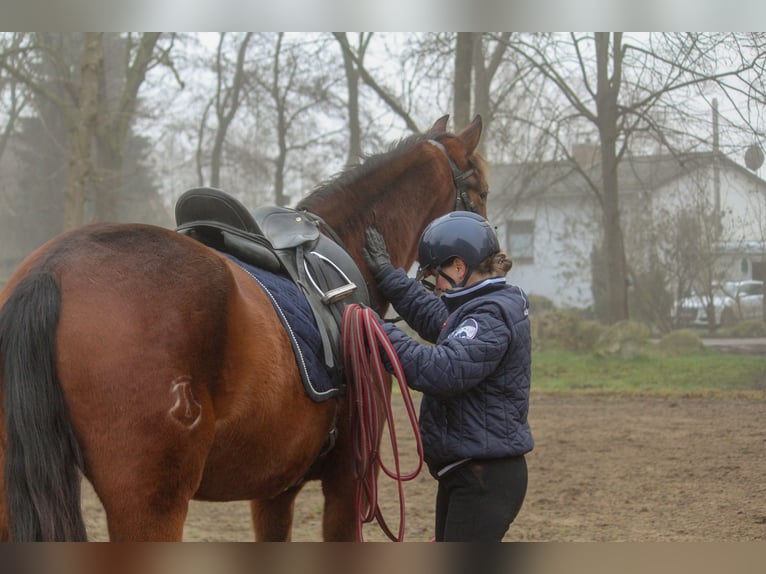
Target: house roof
(512, 183)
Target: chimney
(586, 154)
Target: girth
(281, 240)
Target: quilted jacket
(475, 379)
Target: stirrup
(337, 293)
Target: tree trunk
(228, 101)
(482, 77)
(113, 127)
(279, 100)
(606, 101)
(463, 68)
(352, 83)
(82, 134)
(279, 178)
(108, 181)
(617, 285)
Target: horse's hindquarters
(140, 345)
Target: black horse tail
(43, 458)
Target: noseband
(459, 178)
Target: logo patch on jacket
(466, 330)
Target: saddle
(281, 240)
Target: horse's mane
(367, 165)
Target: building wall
(564, 233)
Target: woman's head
(459, 235)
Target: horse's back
(128, 252)
(131, 289)
(136, 298)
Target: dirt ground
(603, 469)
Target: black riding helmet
(461, 234)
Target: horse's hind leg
(127, 523)
(147, 500)
(273, 518)
(145, 459)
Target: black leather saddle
(280, 240)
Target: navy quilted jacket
(475, 378)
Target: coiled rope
(364, 341)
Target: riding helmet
(458, 234)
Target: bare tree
(118, 103)
(298, 97)
(487, 79)
(618, 88)
(48, 72)
(13, 95)
(350, 57)
(465, 44)
(475, 72)
(225, 102)
(392, 101)
(14, 98)
(675, 249)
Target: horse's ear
(471, 135)
(440, 126)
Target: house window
(520, 239)
(759, 271)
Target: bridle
(459, 178)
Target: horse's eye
(483, 195)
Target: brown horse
(159, 370)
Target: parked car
(733, 301)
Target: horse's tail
(43, 457)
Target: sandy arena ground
(603, 469)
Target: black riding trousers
(478, 500)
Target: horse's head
(467, 166)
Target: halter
(459, 178)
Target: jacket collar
(456, 297)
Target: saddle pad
(320, 381)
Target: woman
(475, 379)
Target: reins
(363, 340)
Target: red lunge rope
(370, 399)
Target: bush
(538, 303)
(626, 339)
(748, 329)
(553, 328)
(564, 329)
(587, 334)
(680, 342)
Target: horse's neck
(398, 199)
(400, 223)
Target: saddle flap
(285, 228)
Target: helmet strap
(454, 284)
(449, 279)
(465, 279)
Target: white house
(549, 221)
